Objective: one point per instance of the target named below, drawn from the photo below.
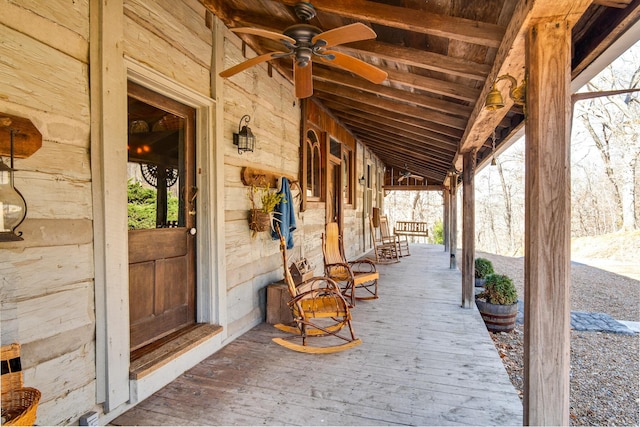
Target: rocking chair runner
(351, 276)
(386, 252)
(319, 310)
(401, 242)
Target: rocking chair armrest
(324, 291)
(367, 262)
(344, 265)
(307, 285)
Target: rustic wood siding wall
(46, 281)
(253, 262)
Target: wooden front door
(161, 207)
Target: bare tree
(614, 125)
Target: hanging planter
(260, 217)
(259, 220)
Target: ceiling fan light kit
(304, 42)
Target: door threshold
(152, 357)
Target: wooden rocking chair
(351, 276)
(319, 310)
(401, 242)
(386, 252)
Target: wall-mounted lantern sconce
(244, 139)
(494, 100)
(361, 180)
(13, 207)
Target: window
(313, 181)
(347, 175)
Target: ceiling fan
(405, 174)
(305, 42)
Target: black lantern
(244, 139)
(13, 208)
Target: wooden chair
(319, 310)
(351, 276)
(401, 242)
(386, 252)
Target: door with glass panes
(161, 216)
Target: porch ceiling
(441, 58)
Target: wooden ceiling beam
(419, 58)
(386, 104)
(349, 80)
(443, 142)
(420, 21)
(394, 136)
(416, 149)
(413, 149)
(380, 112)
(429, 84)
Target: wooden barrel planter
(498, 317)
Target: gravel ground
(604, 367)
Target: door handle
(192, 231)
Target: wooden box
(278, 310)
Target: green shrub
(499, 289)
(438, 233)
(483, 268)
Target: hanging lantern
(13, 208)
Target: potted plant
(263, 201)
(498, 303)
(483, 268)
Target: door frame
(108, 157)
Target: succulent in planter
(483, 267)
(498, 303)
(499, 289)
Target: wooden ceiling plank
(419, 58)
(420, 21)
(379, 112)
(436, 104)
(386, 104)
(416, 149)
(395, 135)
(429, 84)
(442, 141)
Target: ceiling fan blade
(401, 178)
(346, 34)
(250, 63)
(361, 68)
(303, 80)
(264, 33)
(417, 178)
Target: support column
(453, 222)
(547, 224)
(468, 228)
(446, 217)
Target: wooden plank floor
(423, 361)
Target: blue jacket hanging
(285, 215)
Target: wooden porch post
(446, 211)
(453, 222)
(547, 224)
(468, 227)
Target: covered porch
(424, 361)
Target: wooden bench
(411, 228)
